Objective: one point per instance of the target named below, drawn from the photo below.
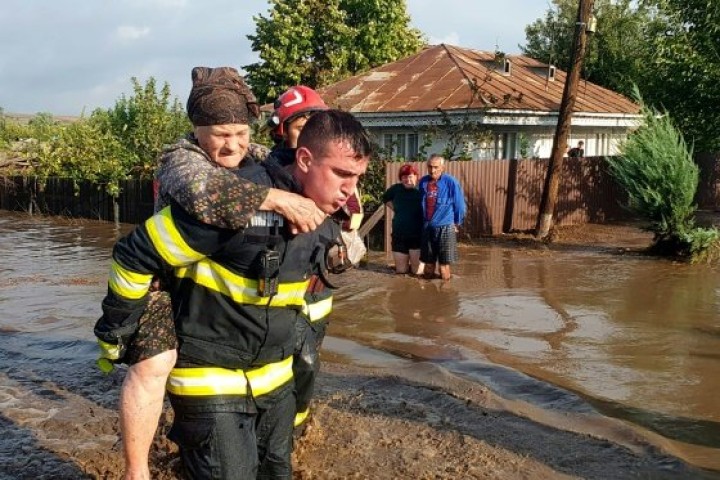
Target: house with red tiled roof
(413, 105)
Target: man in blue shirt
(444, 211)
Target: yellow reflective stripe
(318, 310)
(266, 379)
(126, 283)
(300, 417)
(167, 239)
(223, 381)
(355, 221)
(108, 350)
(243, 290)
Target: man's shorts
(439, 244)
(156, 333)
(404, 243)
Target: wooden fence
(502, 195)
(64, 197)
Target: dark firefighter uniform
(311, 327)
(317, 307)
(237, 297)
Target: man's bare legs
(443, 271)
(141, 403)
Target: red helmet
(294, 102)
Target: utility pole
(552, 179)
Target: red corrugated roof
(441, 77)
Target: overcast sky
(66, 56)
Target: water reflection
(636, 337)
(422, 307)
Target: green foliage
(621, 29)
(318, 42)
(43, 126)
(683, 73)
(106, 147)
(656, 169)
(144, 123)
(261, 135)
(382, 33)
(84, 151)
(7, 133)
(524, 142)
(372, 183)
(24, 139)
(463, 135)
(670, 47)
(703, 244)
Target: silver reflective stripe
(266, 219)
(167, 240)
(126, 283)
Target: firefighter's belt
(206, 381)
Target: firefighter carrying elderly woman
(235, 288)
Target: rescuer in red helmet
(292, 110)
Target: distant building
(514, 99)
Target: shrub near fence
(57, 196)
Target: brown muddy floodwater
(579, 332)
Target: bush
(111, 145)
(657, 170)
(144, 123)
(84, 151)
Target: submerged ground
(411, 422)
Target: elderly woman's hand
(302, 213)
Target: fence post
(116, 211)
(33, 188)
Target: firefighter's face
(226, 144)
(330, 177)
(293, 130)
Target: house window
(412, 146)
(388, 144)
(401, 145)
(486, 149)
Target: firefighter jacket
(236, 294)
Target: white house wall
(597, 142)
(602, 133)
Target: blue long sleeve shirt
(450, 204)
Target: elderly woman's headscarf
(220, 96)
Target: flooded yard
(573, 335)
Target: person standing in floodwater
(444, 211)
(405, 200)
